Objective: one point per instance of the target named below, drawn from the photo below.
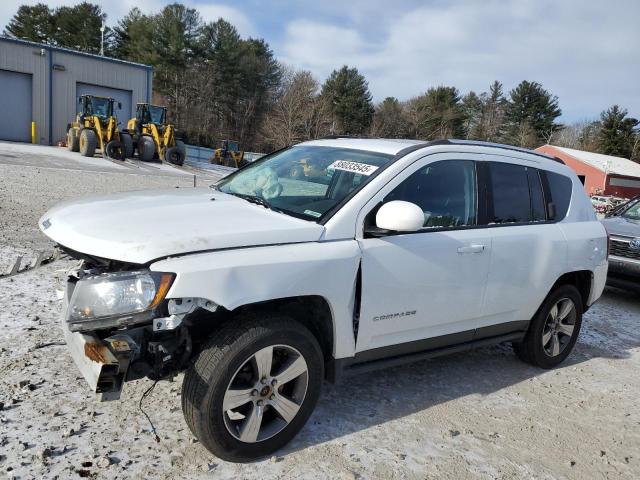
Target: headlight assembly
(115, 299)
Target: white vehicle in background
(266, 284)
(601, 203)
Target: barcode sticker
(355, 167)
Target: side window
(446, 192)
(560, 188)
(510, 188)
(537, 197)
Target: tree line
(219, 85)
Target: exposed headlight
(116, 299)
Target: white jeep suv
(321, 260)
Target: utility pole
(102, 38)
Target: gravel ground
(481, 414)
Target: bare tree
(298, 112)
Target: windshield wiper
(254, 199)
(258, 201)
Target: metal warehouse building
(40, 83)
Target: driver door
(425, 289)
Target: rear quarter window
(560, 188)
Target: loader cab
(101, 107)
(147, 113)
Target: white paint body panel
(142, 226)
(236, 277)
(235, 253)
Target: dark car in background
(623, 226)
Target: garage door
(122, 96)
(15, 106)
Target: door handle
(471, 249)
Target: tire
(146, 148)
(174, 155)
(115, 150)
(535, 349)
(88, 142)
(225, 359)
(127, 144)
(182, 147)
(73, 141)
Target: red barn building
(600, 174)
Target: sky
(587, 52)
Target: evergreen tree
(347, 93)
(438, 114)
(389, 119)
(530, 115)
(78, 28)
(617, 133)
(33, 23)
(176, 29)
(133, 38)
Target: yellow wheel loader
(229, 155)
(152, 136)
(95, 127)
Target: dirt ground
(481, 414)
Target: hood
(622, 226)
(138, 227)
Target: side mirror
(79, 99)
(119, 106)
(400, 216)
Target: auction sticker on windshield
(355, 167)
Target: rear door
(528, 249)
(424, 289)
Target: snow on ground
(480, 414)
(61, 158)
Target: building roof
(605, 163)
(72, 52)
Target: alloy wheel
(559, 327)
(265, 393)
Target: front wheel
(253, 387)
(554, 329)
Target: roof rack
(451, 141)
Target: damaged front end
(120, 327)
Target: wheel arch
(312, 311)
(582, 280)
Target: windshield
(305, 182)
(633, 212)
(100, 107)
(156, 114)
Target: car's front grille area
(621, 248)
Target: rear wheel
(146, 149)
(73, 142)
(554, 330)
(88, 142)
(127, 144)
(174, 155)
(253, 387)
(115, 150)
(182, 147)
